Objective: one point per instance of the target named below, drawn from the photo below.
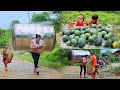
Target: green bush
(107, 63)
(5, 37)
(116, 68)
(112, 58)
(98, 55)
(58, 55)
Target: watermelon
(67, 32)
(87, 30)
(103, 29)
(106, 37)
(71, 28)
(103, 33)
(99, 26)
(84, 27)
(98, 30)
(82, 32)
(94, 26)
(91, 39)
(68, 43)
(74, 42)
(72, 32)
(109, 30)
(83, 36)
(98, 41)
(87, 27)
(65, 38)
(77, 32)
(93, 31)
(99, 34)
(87, 35)
(114, 39)
(71, 37)
(81, 42)
(111, 34)
(94, 36)
(108, 43)
(77, 37)
(78, 28)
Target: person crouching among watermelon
(7, 57)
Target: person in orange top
(93, 60)
(94, 65)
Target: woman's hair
(38, 35)
(94, 16)
(83, 16)
(86, 55)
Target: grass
(104, 17)
(116, 69)
(42, 60)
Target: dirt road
(22, 69)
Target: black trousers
(35, 58)
(81, 68)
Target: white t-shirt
(34, 44)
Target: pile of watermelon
(92, 35)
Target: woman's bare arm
(43, 47)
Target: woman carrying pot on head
(37, 46)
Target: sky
(6, 17)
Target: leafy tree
(45, 16)
(14, 22)
(40, 17)
(5, 37)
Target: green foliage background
(112, 17)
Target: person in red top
(80, 21)
(5, 60)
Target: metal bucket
(24, 33)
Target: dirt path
(22, 69)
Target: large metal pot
(23, 33)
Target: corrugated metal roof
(80, 52)
(111, 50)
